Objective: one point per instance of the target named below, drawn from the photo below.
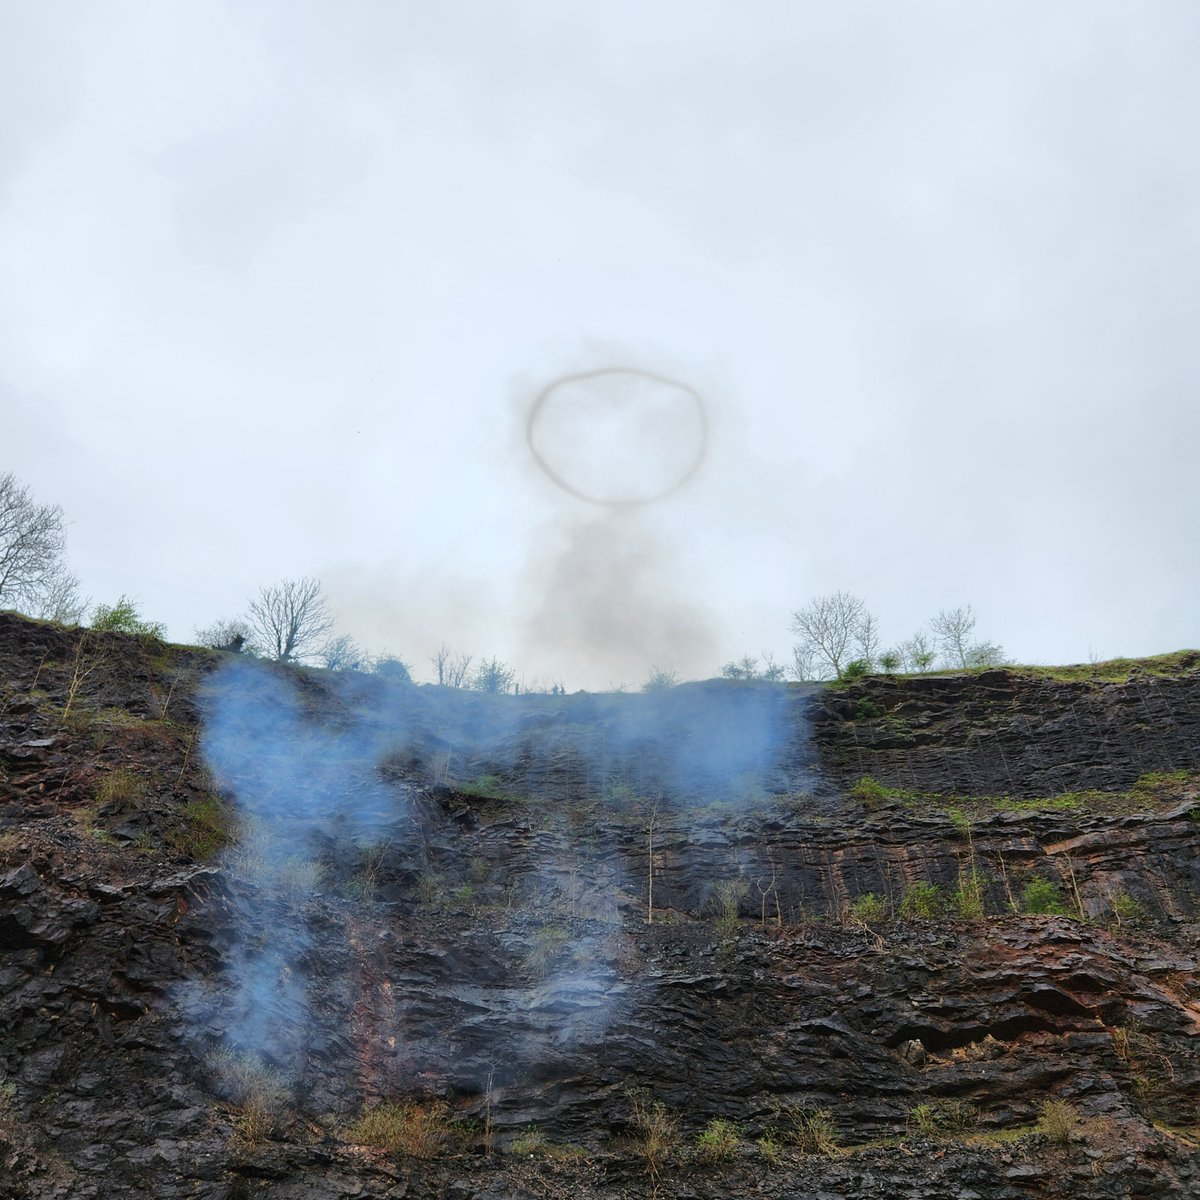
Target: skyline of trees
(290, 622)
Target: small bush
(718, 1142)
(1058, 1120)
(1127, 911)
(865, 709)
(123, 617)
(726, 898)
(922, 901)
(923, 1118)
(660, 680)
(967, 900)
(417, 1130)
(393, 669)
(769, 1148)
(1043, 896)
(868, 908)
(856, 668)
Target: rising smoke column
(602, 585)
(302, 781)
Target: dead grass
(120, 786)
(1059, 1120)
(656, 1135)
(415, 1130)
(258, 1092)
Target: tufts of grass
(770, 1148)
(486, 787)
(120, 786)
(1118, 670)
(547, 947)
(656, 1134)
(258, 1092)
(415, 1130)
(943, 1118)
(1058, 1121)
(207, 829)
(810, 1130)
(534, 1144)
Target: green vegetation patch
(1154, 789)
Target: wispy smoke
(325, 768)
(604, 593)
(603, 589)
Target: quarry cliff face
(298, 934)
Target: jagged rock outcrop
(468, 931)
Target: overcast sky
(281, 282)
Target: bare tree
(60, 599)
(32, 540)
(290, 619)
(452, 669)
(953, 627)
(803, 663)
(745, 667)
(771, 669)
(343, 654)
(866, 638)
(828, 628)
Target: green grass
(718, 1142)
(1117, 670)
(1112, 670)
(870, 792)
(487, 787)
(1151, 789)
(208, 827)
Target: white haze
(279, 282)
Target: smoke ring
(682, 478)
